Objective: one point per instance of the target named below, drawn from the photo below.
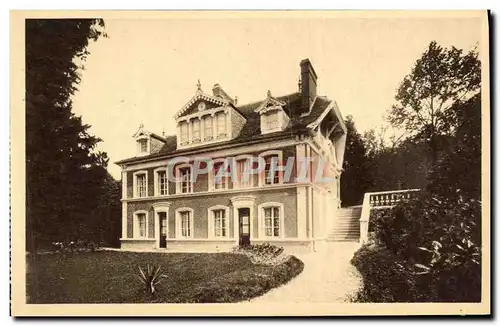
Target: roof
(251, 129)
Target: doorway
(163, 229)
(244, 225)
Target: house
(236, 174)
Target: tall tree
(438, 79)
(356, 178)
(65, 173)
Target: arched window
(218, 221)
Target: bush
(246, 284)
(74, 246)
(385, 277)
(438, 239)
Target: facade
(173, 200)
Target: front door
(244, 218)
(163, 229)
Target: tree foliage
(438, 79)
(356, 178)
(67, 182)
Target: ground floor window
(141, 224)
(220, 223)
(271, 220)
(185, 223)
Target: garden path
(327, 277)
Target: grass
(110, 277)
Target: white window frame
(178, 187)
(262, 174)
(139, 147)
(211, 177)
(211, 221)
(185, 141)
(211, 124)
(178, 222)
(136, 224)
(198, 122)
(225, 133)
(262, 216)
(264, 121)
(237, 182)
(157, 182)
(135, 175)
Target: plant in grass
(150, 277)
(263, 254)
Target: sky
(146, 70)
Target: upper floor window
(140, 184)
(161, 184)
(196, 130)
(185, 184)
(271, 176)
(184, 132)
(208, 128)
(221, 125)
(243, 173)
(219, 175)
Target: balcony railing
(379, 200)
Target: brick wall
(200, 205)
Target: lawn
(111, 277)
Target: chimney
(219, 92)
(308, 83)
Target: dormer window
(143, 145)
(221, 125)
(208, 127)
(272, 115)
(184, 132)
(196, 131)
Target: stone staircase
(346, 226)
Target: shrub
(385, 277)
(150, 277)
(246, 284)
(75, 246)
(439, 240)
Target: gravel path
(327, 277)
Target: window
(220, 223)
(219, 180)
(221, 125)
(184, 133)
(208, 128)
(272, 120)
(244, 178)
(185, 184)
(184, 223)
(140, 224)
(143, 145)
(272, 221)
(141, 185)
(196, 131)
(161, 183)
(273, 178)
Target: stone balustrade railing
(379, 200)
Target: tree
(438, 79)
(65, 173)
(356, 177)
(458, 173)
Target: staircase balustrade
(380, 200)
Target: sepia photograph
(250, 163)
